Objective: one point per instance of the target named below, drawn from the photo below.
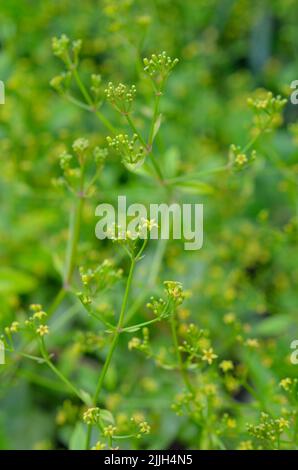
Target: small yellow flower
(43, 330)
(39, 315)
(14, 327)
(229, 318)
(208, 355)
(225, 366)
(138, 417)
(231, 383)
(98, 446)
(149, 224)
(245, 445)
(283, 424)
(134, 343)
(241, 159)
(252, 343)
(144, 427)
(210, 389)
(35, 307)
(109, 431)
(286, 383)
(231, 423)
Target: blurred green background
(249, 262)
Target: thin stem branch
(148, 148)
(75, 225)
(57, 372)
(90, 102)
(158, 95)
(113, 345)
(181, 365)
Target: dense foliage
(137, 344)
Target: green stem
(133, 328)
(74, 233)
(57, 372)
(57, 301)
(179, 356)
(75, 225)
(116, 334)
(157, 168)
(257, 136)
(154, 118)
(148, 148)
(78, 103)
(113, 345)
(135, 130)
(89, 100)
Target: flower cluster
(124, 236)
(131, 152)
(92, 416)
(267, 109)
(269, 429)
(96, 88)
(142, 345)
(80, 146)
(120, 96)
(157, 306)
(60, 46)
(269, 104)
(61, 82)
(13, 328)
(77, 165)
(36, 321)
(66, 50)
(34, 324)
(174, 291)
(115, 428)
(159, 66)
(102, 277)
(196, 346)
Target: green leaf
(107, 416)
(273, 325)
(171, 162)
(15, 281)
(78, 438)
(157, 126)
(194, 187)
(86, 397)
